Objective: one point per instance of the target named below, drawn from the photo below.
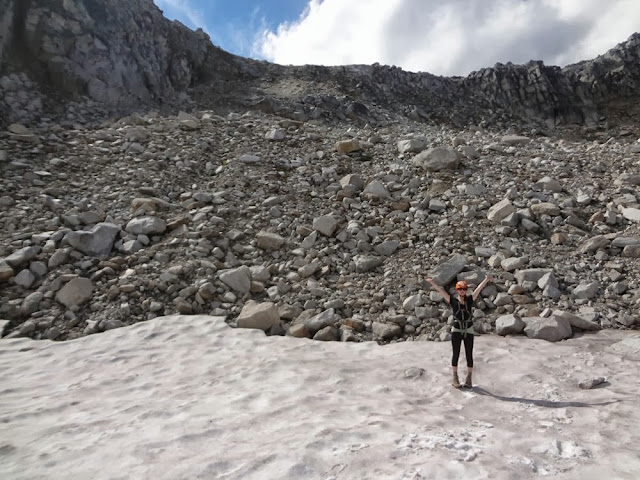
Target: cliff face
(86, 58)
(121, 54)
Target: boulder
(551, 329)
(262, 316)
(509, 325)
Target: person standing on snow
(462, 329)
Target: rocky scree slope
(81, 60)
(315, 229)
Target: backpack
(463, 311)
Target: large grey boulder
(365, 263)
(386, 331)
(97, 242)
(239, 279)
(586, 291)
(500, 210)
(436, 159)
(326, 225)
(551, 329)
(446, 271)
(317, 322)
(147, 225)
(269, 240)
(21, 256)
(509, 325)
(575, 320)
(76, 292)
(531, 275)
(412, 145)
(262, 316)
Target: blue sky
(443, 37)
(233, 25)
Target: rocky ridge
(78, 61)
(316, 229)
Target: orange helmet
(461, 285)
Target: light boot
(467, 382)
(456, 380)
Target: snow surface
(188, 397)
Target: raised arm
(479, 288)
(439, 289)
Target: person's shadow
(541, 403)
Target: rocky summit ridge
(146, 172)
(79, 60)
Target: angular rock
(97, 242)
(75, 292)
(586, 290)
(413, 145)
(632, 214)
(386, 331)
(509, 325)
(531, 275)
(551, 329)
(147, 225)
(437, 159)
(515, 140)
(446, 271)
(326, 225)
(21, 256)
(6, 272)
(328, 334)
(318, 322)
(576, 321)
(239, 279)
(594, 243)
(376, 188)
(366, 263)
(269, 240)
(387, 248)
(262, 316)
(501, 210)
(348, 146)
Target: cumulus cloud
(450, 37)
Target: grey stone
(413, 145)
(551, 329)
(366, 263)
(436, 159)
(509, 325)
(501, 210)
(269, 240)
(576, 320)
(76, 292)
(326, 225)
(239, 279)
(446, 271)
(318, 322)
(96, 242)
(21, 256)
(586, 290)
(258, 315)
(328, 334)
(386, 331)
(147, 225)
(6, 272)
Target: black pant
(456, 341)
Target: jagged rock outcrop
(123, 55)
(82, 60)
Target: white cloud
(183, 11)
(450, 37)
